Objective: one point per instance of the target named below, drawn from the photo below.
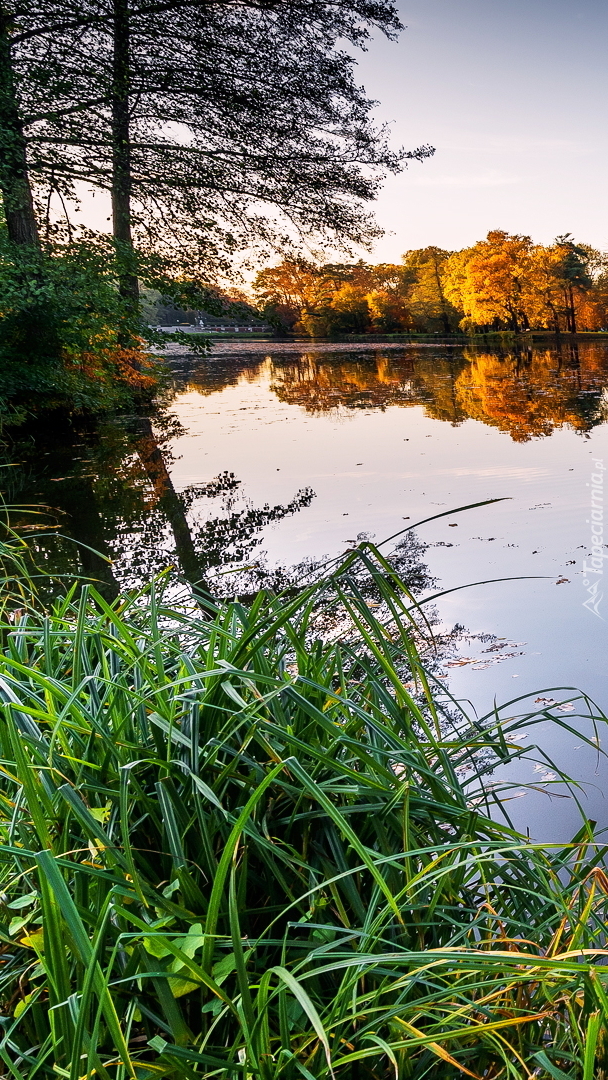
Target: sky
(513, 95)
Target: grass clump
(238, 847)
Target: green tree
(424, 273)
(60, 331)
(573, 273)
(206, 123)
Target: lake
(268, 454)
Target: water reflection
(111, 486)
(531, 394)
(118, 518)
(262, 430)
(527, 393)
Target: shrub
(67, 339)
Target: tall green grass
(252, 847)
(17, 589)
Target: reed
(17, 588)
(251, 847)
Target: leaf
(439, 1050)
(35, 940)
(312, 1014)
(22, 1005)
(156, 947)
(179, 987)
(23, 901)
(593, 1030)
(17, 924)
(224, 968)
(388, 1050)
(183, 1053)
(192, 942)
(552, 1069)
(189, 945)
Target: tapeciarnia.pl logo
(593, 572)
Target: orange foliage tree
(333, 298)
(505, 282)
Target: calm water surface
(285, 452)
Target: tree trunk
(568, 308)
(121, 152)
(554, 316)
(17, 198)
(572, 310)
(444, 315)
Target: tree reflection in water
(119, 519)
(226, 540)
(116, 504)
(527, 393)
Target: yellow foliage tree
(487, 282)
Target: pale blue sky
(513, 95)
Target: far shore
(494, 337)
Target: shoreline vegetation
(263, 841)
(505, 282)
(493, 337)
(71, 340)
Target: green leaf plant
(250, 846)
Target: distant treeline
(505, 282)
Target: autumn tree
(487, 281)
(428, 305)
(287, 291)
(507, 281)
(544, 293)
(334, 298)
(364, 298)
(559, 285)
(386, 297)
(592, 305)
